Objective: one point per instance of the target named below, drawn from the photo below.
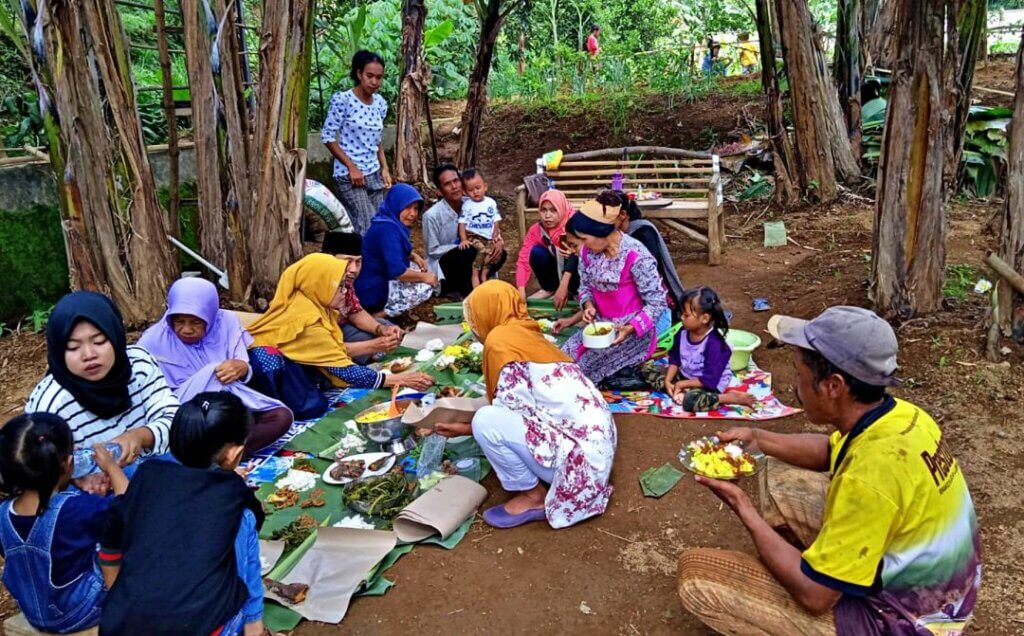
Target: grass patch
(960, 281)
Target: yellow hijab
(498, 315)
(300, 321)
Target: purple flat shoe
(498, 517)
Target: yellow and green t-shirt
(748, 54)
(899, 529)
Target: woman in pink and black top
(544, 256)
(619, 283)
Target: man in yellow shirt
(881, 504)
(748, 54)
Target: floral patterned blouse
(568, 429)
(603, 274)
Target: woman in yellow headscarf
(547, 432)
(301, 325)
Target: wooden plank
(639, 162)
(690, 232)
(714, 224)
(676, 193)
(554, 174)
(521, 210)
(702, 182)
(636, 150)
(696, 214)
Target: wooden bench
(18, 626)
(691, 180)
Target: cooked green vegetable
(295, 532)
(382, 497)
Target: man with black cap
(881, 505)
(365, 336)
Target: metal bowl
(384, 431)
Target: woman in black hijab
(104, 389)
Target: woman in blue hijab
(394, 278)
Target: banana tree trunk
(970, 34)
(782, 146)
(823, 149)
(279, 160)
(848, 68)
(410, 163)
(220, 237)
(107, 175)
(1009, 305)
(909, 254)
(883, 33)
(476, 98)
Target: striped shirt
(153, 405)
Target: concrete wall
(26, 186)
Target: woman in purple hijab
(201, 347)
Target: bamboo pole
(632, 150)
(999, 266)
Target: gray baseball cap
(853, 339)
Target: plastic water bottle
(617, 181)
(431, 455)
(85, 460)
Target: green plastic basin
(742, 344)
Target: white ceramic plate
(654, 203)
(369, 458)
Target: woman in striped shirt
(104, 389)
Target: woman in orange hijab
(547, 432)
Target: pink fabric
(623, 301)
(592, 46)
(538, 235)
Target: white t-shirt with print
(358, 128)
(480, 217)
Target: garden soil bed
(622, 565)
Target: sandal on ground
(498, 517)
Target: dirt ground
(622, 564)
(998, 73)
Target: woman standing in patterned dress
(352, 133)
(548, 433)
(619, 283)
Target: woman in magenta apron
(619, 283)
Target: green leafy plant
(959, 281)
(985, 144)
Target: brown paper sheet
(425, 332)
(270, 553)
(441, 510)
(333, 569)
(454, 409)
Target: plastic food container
(599, 335)
(742, 344)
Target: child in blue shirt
(49, 534)
(181, 549)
